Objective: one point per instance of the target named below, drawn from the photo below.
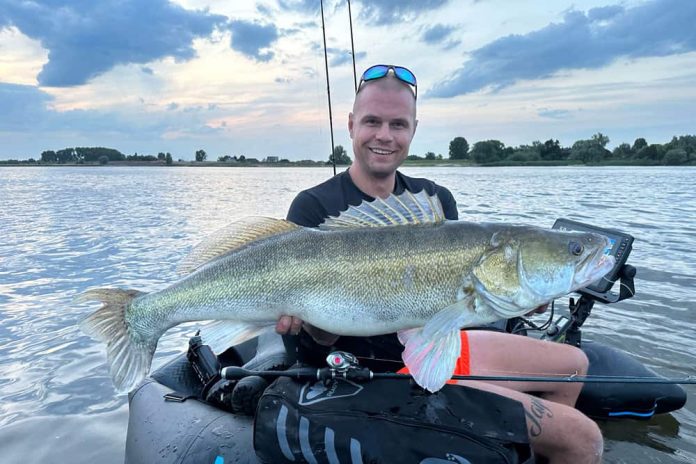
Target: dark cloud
(26, 109)
(592, 40)
(147, 70)
(440, 34)
(86, 38)
(28, 116)
(436, 34)
(386, 12)
(21, 105)
(253, 39)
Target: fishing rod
(361, 374)
(343, 365)
(328, 87)
(352, 47)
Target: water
(64, 230)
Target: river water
(64, 230)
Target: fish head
(526, 267)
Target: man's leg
(557, 432)
(495, 353)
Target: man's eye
(398, 125)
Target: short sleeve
(449, 205)
(305, 210)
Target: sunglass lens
(375, 72)
(405, 75)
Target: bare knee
(581, 362)
(578, 439)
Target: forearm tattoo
(536, 412)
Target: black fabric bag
(387, 421)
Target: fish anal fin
(220, 335)
(233, 237)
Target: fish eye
(575, 248)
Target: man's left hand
(541, 309)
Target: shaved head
(388, 85)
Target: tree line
(680, 150)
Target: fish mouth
(595, 266)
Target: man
(381, 126)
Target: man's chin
(382, 170)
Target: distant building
(271, 159)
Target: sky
(248, 78)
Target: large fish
(393, 265)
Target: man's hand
(288, 325)
(292, 325)
(541, 309)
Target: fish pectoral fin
(431, 361)
(431, 352)
(406, 208)
(233, 237)
(220, 335)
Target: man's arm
(449, 204)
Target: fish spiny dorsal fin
(233, 237)
(396, 210)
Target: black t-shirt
(309, 209)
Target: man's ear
(350, 124)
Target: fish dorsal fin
(406, 208)
(232, 237)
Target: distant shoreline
(319, 164)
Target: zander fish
(393, 265)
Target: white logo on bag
(314, 392)
(450, 458)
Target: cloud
(439, 34)
(553, 114)
(436, 34)
(312, 6)
(21, 105)
(253, 39)
(86, 38)
(580, 41)
(27, 109)
(388, 12)
(343, 56)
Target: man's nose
(384, 133)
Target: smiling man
(382, 125)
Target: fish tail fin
(129, 353)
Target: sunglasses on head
(379, 71)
